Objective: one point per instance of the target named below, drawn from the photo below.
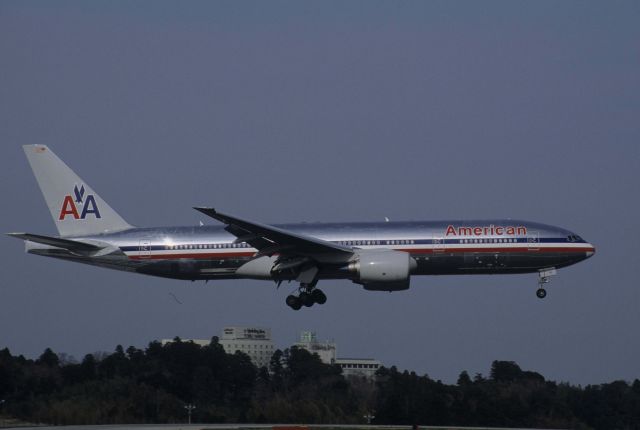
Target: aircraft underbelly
(492, 262)
(435, 262)
(440, 263)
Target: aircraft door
(144, 249)
(533, 240)
(438, 243)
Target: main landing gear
(544, 276)
(308, 296)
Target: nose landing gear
(544, 277)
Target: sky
(333, 111)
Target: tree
(88, 367)
(504, 371)
(48, 358)
(152, 385)
(464, 379)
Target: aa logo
(86, 204)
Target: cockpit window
(574, 238)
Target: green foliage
(510, 397)
(153, 385)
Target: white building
(327, 351)
(254, 341)
(366, 367)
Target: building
(327, 351)
(257, 344)
(366, 367)
(254, 341)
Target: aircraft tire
(541, 293)
(306, 299)
(319, 297)
(293, 302)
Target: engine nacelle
(383, 269)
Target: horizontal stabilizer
(71, 245)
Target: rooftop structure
(325, 350)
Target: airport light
(369, 417)
(189, 409)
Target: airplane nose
(591, 250)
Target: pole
(189, 409)
(369, 416)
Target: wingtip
(204, 209)
(14, 234)
(35, 147)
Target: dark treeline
(154, 385)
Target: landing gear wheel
(306, 299)
(319, 297)
(293, 302)
(544, 276)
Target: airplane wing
(269, 240)
(71, 245)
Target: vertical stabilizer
(76, 209)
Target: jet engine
(383, 269)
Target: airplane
(380, 256)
